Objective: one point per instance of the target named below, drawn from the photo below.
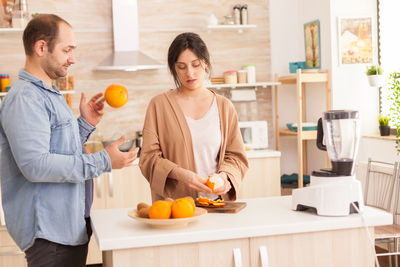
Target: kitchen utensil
(305, 126)
(125, 147)
(243, 15)
(334, 192)
(230, 207)
(168, 223)
(236, 14)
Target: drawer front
(10, 254)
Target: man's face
(56, 63)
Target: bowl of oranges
(168, 213)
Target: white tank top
(206, 140)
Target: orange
(191, 200)
(116, 95)
(182, 208)
(214, 182)
(161, 209)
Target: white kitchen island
(266, 230)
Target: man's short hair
(42, 27)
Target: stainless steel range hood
(126, 55)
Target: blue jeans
(45, 253)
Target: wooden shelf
(300, 79)
(11, 30)
(243, 85)
(305, 135)
(311, 77)
(239, 28)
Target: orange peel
(214, 182)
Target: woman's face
(191, 70)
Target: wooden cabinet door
(99, 202)
(262, 178)
(345, 248)
(127, 187)
(204, 254)
(10, 254)
(124, 188)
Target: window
(389, 45)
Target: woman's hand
(226, 187)
(190, 178)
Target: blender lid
(340, 114)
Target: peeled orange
(182, 208)
(116, 95)
(214, 182)
(161, 209)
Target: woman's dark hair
(183, 41)
(42, 27)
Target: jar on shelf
(236, 14)
(243, 14)
(242, 76)
(228, 20)
(4, 82)
(20, 14)
(230, 77)
(251, 72)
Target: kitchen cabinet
(214, 253)
(127, 187)
(267, 229)
(254, 252)
(263, 175)
(123, 188)
(300, 79)
(10, 254)
(242, 85)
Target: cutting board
(230, 207)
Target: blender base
(330, 196)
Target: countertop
(113, 229)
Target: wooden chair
(381, 185)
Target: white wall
(350, 89)
(287, 45)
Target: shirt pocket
(62, 139)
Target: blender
(333, 192)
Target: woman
(190, 132)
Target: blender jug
(341, 131)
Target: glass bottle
(243, 15)
(236, 14)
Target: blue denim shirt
(43, 170)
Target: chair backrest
(380, 185)
(396, 212)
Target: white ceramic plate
(168, 223)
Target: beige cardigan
(167, 143)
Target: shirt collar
(24, 75)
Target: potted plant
(374, 74)
(384, 127)
(394, 115)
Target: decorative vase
(375, 80)
(384, 130)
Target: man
(45, 177)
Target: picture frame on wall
(355, 40)
(312, 44)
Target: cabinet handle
(11, 253)
(110, 185)
(237, 257)
(98, 186)
(264, 256)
